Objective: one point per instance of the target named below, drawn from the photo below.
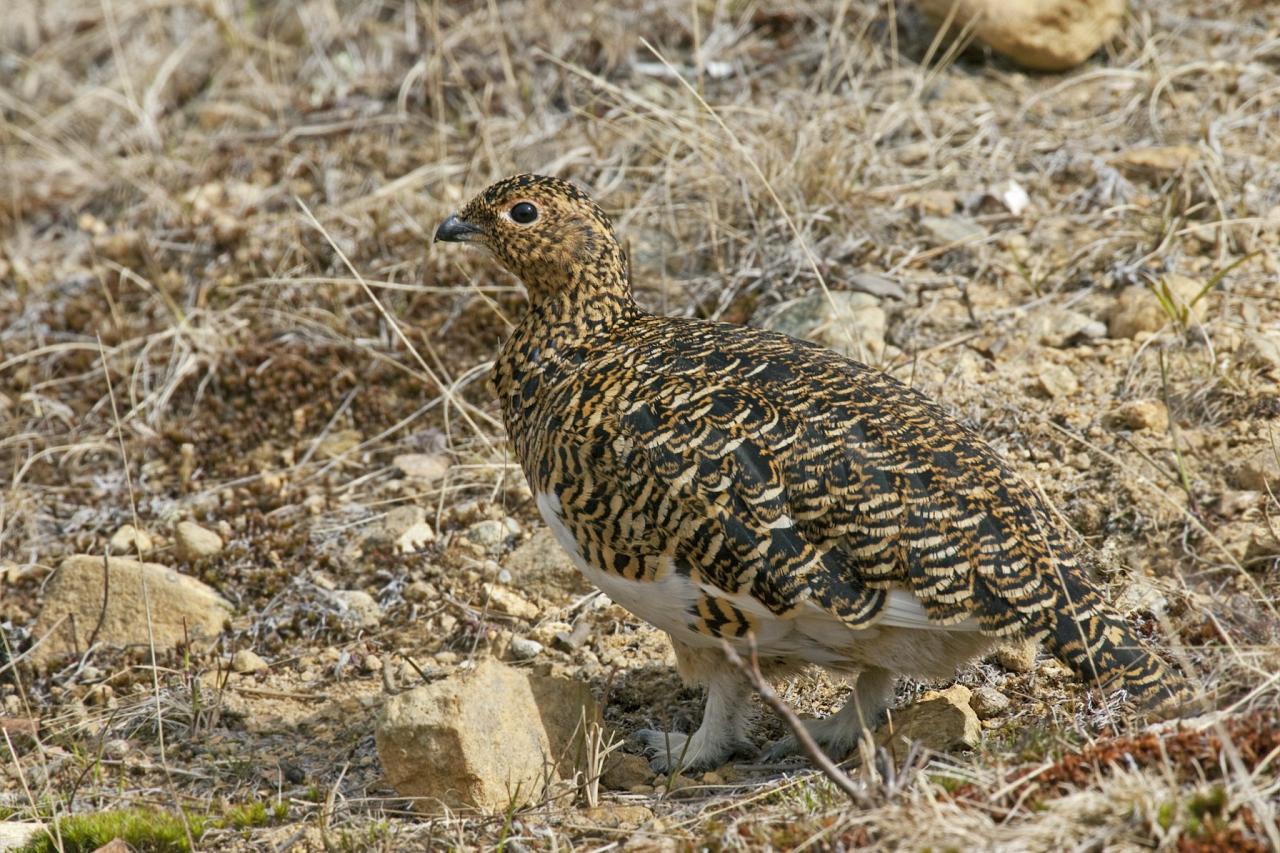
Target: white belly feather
(812, 634)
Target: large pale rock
(180, 607)
(848, 322)
(941, 721)
(1043, 35)
(482, 739)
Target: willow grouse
(722, 481)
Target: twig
(820, 759)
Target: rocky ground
(238, 383)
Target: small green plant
(1179, 312)
(149, 830)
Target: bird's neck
(588, 296)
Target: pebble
(415, 538)
(1064, 327)
(401, 518)
(988, 702)
(129, 541)
(946, 230)
(1019, 657)
(1143, 415)
(522, 648)
(511, 603)
(360, 606)
(490, 534)
(246, 661)
(1057, 380)
(194, 542)
(428, 467)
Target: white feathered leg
(838, 733)
(724, 717)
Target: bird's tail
(1092, 638)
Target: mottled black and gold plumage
(722, 481)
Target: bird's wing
(751, 498)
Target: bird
(729, 484)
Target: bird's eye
(524, 213)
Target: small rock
(1141, 594)
(522, 648)
(246, 661)
(1249, 543)
(511, 603)
(1057, 380)
(400, 519)
(877, 285)
(616, 816)
(1138, 308)
(1234, 504)
(194, 542)
(116, 748)
(988, 702)
(946, 230)
(115, 845)
(181, 607)
(1258, 472)
(489, 534)
(941, 721)
(539, 563)
(1047, 35)
(428, 467)
(1062, 328)
(623, 771)
(849, 323)
(359, 606)
(339, 442)
(421, 592)
(1157, 161)
(1260, 351)
(480, 738)
(1019, 656)
(130, 541)
(1142, 414)
(415, 538)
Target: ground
(219, 303)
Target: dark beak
(454, 230)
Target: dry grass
(217, 301)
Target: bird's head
(545, 231)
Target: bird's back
(757, 478)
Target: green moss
(149, 830)
(145, 830)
